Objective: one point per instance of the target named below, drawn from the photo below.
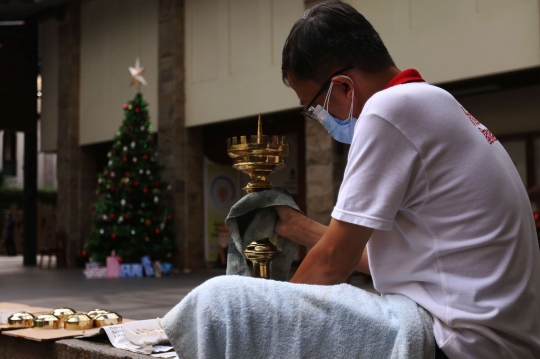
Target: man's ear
(343, 83)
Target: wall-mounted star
(137, 74)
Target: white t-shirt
(454, 229)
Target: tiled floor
(134, 298)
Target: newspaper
(117, 337)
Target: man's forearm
(336, 255)
(308, 232)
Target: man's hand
(285, 223)
(297, 227)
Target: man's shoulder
(409, 100)
(415, 93)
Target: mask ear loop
(327, 99)
(352, 104)
(352, 101)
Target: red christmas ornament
(145, 190)
(112, 189)
(112, 216)
(92, 208)
(154, 218)
(169, 217)
(156, 184)
(113, 235)
(145, 157)
(124, 158)
(127, 173)
(136, 183)
(125, 107)
(119, 259)
(137, 110)
(157, 231)
(126, 216)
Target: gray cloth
(252, 219)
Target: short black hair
(328, 36)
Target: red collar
(405, 76)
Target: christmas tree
(130, 215)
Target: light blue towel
(242, 317)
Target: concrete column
(320, 189)
(181, 149)
(171, 115)
(87, 188)
(69, 158)
(195, 198)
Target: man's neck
(373, 83)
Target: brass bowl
(78, 321)
(111, 318)
(47, 321)
(94, 313)
(63, 313)
(21, 320)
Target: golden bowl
(78, 321)
(111, 318)
(63, 313)
(94, 313)
(21, 320)
(47, 321)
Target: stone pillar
(320, 193)
(171, 115)
(68, 128)
(181, 149)
(87, 190)
(195, 198)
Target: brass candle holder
(258, 157)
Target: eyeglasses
(308, 110)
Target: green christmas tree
(131, 216)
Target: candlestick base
(261, 253)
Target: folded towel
(242, 317)
(252, 219)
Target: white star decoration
(137, 74)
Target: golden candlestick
(258, 157)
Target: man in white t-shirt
(430, 205)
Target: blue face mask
(340, 130)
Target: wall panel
(113, 35)
(448, 40)
(250, 37)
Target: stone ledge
(19, 348)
